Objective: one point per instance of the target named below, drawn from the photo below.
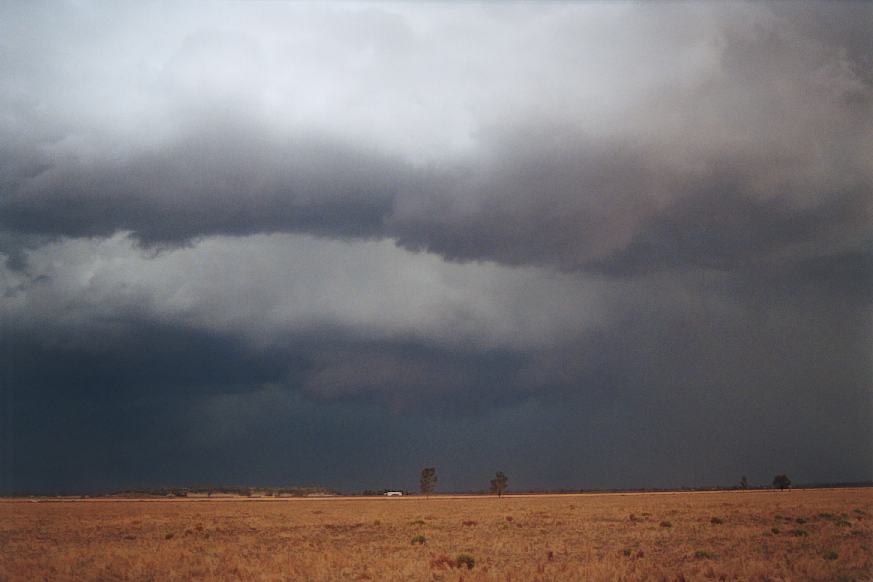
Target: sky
(590, 245)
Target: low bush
(666, 524)
(419, 539)
(465, 560)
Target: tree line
(500, 483)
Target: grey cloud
(758, 139)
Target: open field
(742, 535)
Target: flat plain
(823, 534)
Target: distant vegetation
(206, 491)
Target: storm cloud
(465, 234)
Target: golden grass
(561, 537)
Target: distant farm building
(394, 494)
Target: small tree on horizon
(781, 481)
(744, 483)
(498, 483)
(428, 480)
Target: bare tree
(498, 483)
(428, 480)
(744, 483)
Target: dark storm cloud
(149, 404)
(216, 179)
(612, 408)
(621, 245)
(577, 206)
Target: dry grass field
(752, 535)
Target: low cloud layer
(610, 225)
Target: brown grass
(562, 537)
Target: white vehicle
(394, 494)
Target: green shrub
(831, 555)
(702, 555)
(417, 522)
(465, 560)
(419, 539)
(800, 533)
(666, 524)
(800, 520)
(775, 530)
(826, 515)
(716, 521)
(844, 523)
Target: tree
(781, 481)
(744, 483)
(428, 480)
(498, 483)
